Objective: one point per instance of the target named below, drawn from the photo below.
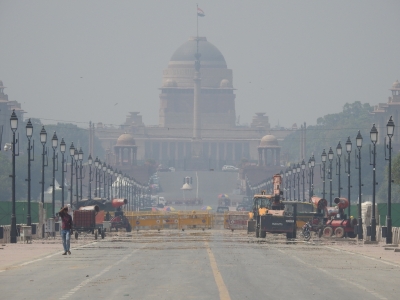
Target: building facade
(197, 116)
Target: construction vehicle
(271, 215)
(338, 224)
(119, 221)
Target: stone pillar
(265, 156)
(260, 160)
(278, 156)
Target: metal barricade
(236, 220)
(195, 220)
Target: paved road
(201, 265)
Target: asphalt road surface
(194, 264)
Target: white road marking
(361, 287)
(85, 282)
(366, 256)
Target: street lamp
(96, 165)
(99, 166)
(72, 154)
(80, 157)
(330, 158)
(348, 150)
(390, 132)
(29, 133)
(374, 138)
(54, 145)
(43, 139)
(312, 160)
(108, 181)
(298, 168)
(323, 171)
(286, 184)
(359, 140)
(14, 126)
(303, 167)
(294, 181)
(90, 162)
(76, 159)
(290, 183)
(104, 180)
(63, 148)
(339, 164)
(111, 182)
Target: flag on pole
(200, 12)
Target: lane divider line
(223, 291)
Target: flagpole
(197, 15)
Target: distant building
(383, 111)
(197, 118)
(6, 108)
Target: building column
(278, 157)
(265, 156)
(260, 159)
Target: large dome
(125, 140)
(269, 141)
(208, 51)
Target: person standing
(66, 229)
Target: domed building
(198, 127)
(125, 150)
(217, 101)
(269, 144)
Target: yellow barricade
(195, 219)
(236, 220)
(150, 220)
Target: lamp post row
(324, 156)
(132, 189)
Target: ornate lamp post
(330, 158)
(96, 164)
(309, 178)
(312, 161)
(72, 154)
(390, 132)
(374, 138)
(359, 140)
(43, 139)
(298, 168)
(290, 183)
(348, 150)
(54, 145)
(323, 171)
(76, 159)
(63, 148)
(90, 162)
(108, 181)
(294, 181)
(286, 184)
(14, 126)
(29, 132)
(303, 168)
(338, 164)
(80, 157)
(104, 179)
(99, 167)
(111, 182)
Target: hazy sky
(295, 60)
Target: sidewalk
(376, 251)
(14, 255)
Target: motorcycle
(306, 231)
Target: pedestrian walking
(66, 229)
